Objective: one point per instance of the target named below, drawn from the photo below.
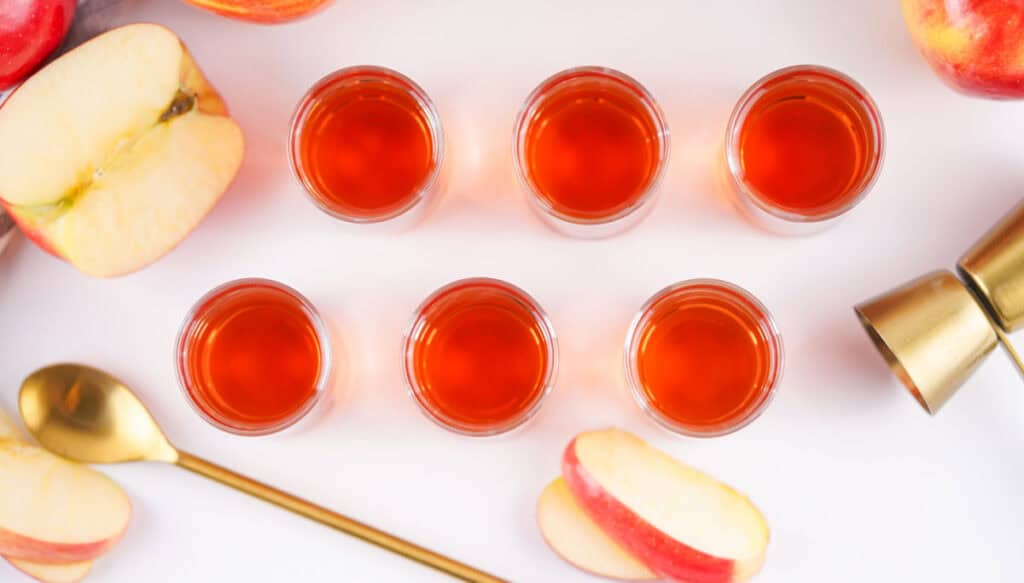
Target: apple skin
(262, 11)
(15, 546)
(974, 46)
(29, 31)
(656, 550)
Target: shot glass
(367, 145)
(253, 357)
(703, 358)
(480, 357)
(803, 147)
(590, 147)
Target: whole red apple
(29, 31)
(975, 46)
(261, 11)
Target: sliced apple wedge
(53, 572)
(579, 540)
(9, 430)
(114, 152)
(678, 521)
(56, 511)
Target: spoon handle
(334, 520)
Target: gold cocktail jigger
(936, 330)
(994, 267)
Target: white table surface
(858, 484)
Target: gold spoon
(86, 415)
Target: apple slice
(115, 151)
(576, 538)
(680, 522)
(53, 572)
(9, 430)
(56, 511)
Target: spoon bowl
(89, 416)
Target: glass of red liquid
(703, 358)
(590, 147)
(367, 144)
(803, 147)
(480, 357)
(253, 356)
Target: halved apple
(53, 572)
(115, 151)
(579, 540)
(56, 511)
(678, 521)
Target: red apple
(678, 521)
(975, 46)
(262, 11)
(56, 511)
(29, 31)
(579, 540)
(53, 572)
(115, 151)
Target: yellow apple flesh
(116, 151)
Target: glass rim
(415, 327)
(820, 73)
(535, 97)
(364, 74)
(183, 340)
(737, 296)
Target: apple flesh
(681, 523)
(29, 31)
(9, 430)
(53, 572)
(115, 151)
(44, 572)
(56, 511)
(975, 46)
(261, 11)
(576, 538)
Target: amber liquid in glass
(480, 357)
(591, 148)
(806, 146)
(702, 361)
(365, 148)
(253, 357)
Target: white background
(857, 482)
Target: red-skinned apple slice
(678, 521)
(45, 572)
(115, 151)
(579, 540)
(9, 430)
(53, 572)
(56, 511)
